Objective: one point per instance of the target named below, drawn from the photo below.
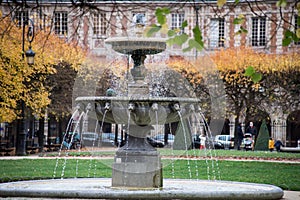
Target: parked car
(155, 143)
(108, 139)
(247, 142)
(224, 142)
(92, 139)
(161, 137)
(72, 140)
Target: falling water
(185, 140)
(75, 129)
(67, 129)
(194, 155)
(100, 137)
(65, 160)
(61, 146)
(210, 153)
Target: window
(258, 31)
(297, 26)
(20, 17)
(141, 14)
(61, 23)
(177, 20)
(217, 33)
(100, 24)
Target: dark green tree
(262, 142)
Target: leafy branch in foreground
(175, 36)
(255, 76)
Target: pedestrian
(252, 129)
(240, 135)
(278, 144)
(202, 141)
(271, 144)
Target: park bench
(6, 151)
(290, 149)
(5, 148)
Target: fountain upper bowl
(137, 45)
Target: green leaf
(298, 17)
(160, 14)
(161, 19)
(184, 24)
(295, 37)
(281, 3)
(154, 29)
(289, 36)
(286, 41)
(243, 30)
(166, 11)
(238, 20)
(249, 71)
(298, 33)
(181, 39)
(220, 3)
(189, 48)
(178, 39)
(171, 33)
(236, 1)
(162, 11)
(288, 33)
(171, 41)
(197, 35)
(195, 44)
(256, 77)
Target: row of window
(217, 30)
(216, 36)
(60, 21)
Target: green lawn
(284, 175)
(201, 153)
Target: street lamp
(30, 36)
(30, 56)
(21, 139)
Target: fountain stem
(138, 72)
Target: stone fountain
(137, 167)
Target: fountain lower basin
(99, 188)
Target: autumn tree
(277, 87)
(278, 84)
(22, 82)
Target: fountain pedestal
(137, 164)
(137, 169)
(138, 89)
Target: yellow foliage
(21, 82)
(238, 59)
(231, 64)
(187, 69)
